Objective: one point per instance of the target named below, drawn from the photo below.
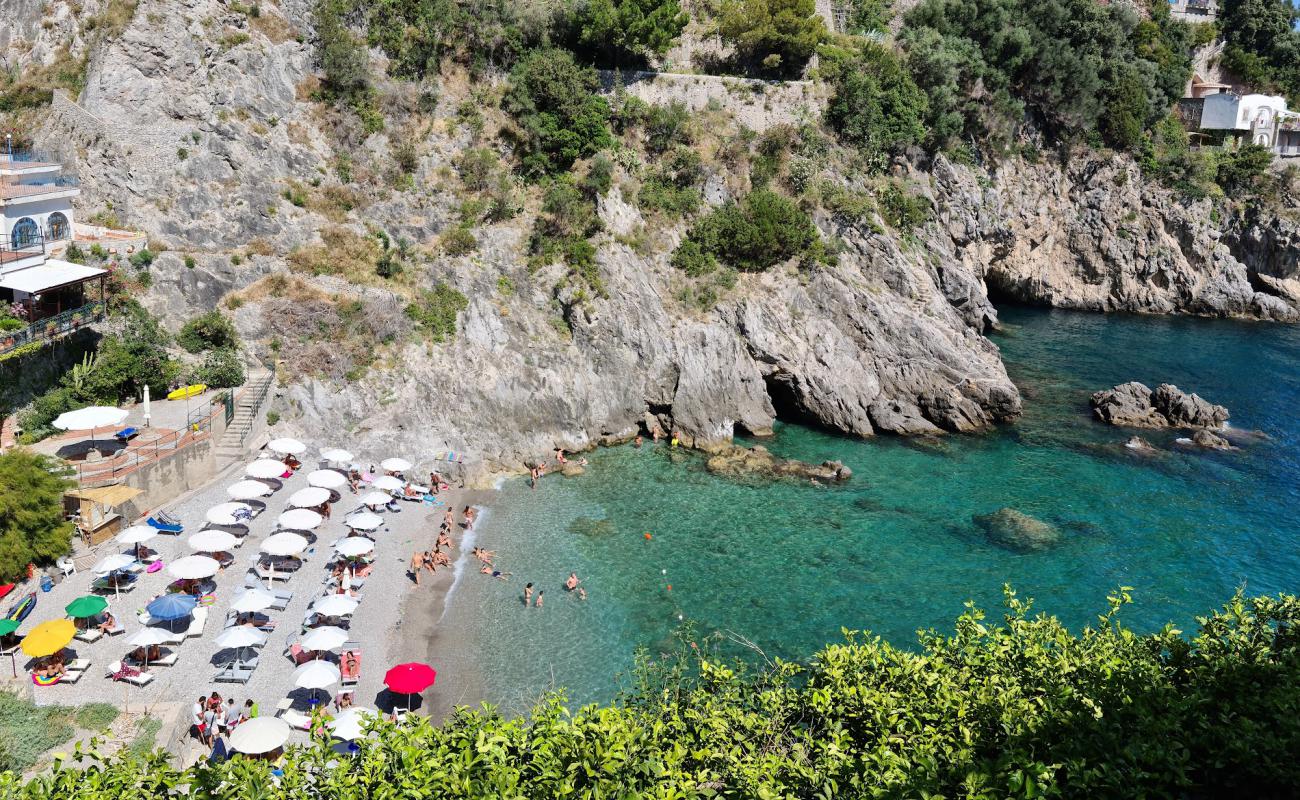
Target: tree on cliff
(32, 527)
(628, 29)
(778, 36)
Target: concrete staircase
(234, 443)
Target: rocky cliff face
(195, 120)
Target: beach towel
(44, 680)
(154, 567)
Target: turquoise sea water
(788, 565)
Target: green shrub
(142, 259)
(776, 36)
(555, 103)
(95, 716)
(436, 311)
(1241, 171)
(272, 418)
(672, 187)
(621, 30)
(32, 526)
(209, 331)
(599, 177)
(877, 107)
(902, 210)
(561, 231)
(476, 166)
(75, 254)
(667, 126)
(458, 240)
(761, 231)
(221, 368)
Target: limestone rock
(571, 470)
(1211, 441)
(1187, 410)
(734, 461)
(1017, 530)
(1129, 405)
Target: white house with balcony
(1231, 119)
(36, 220)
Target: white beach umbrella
(137, 534)
(284, 543)
(148, 637)
(247, 490)
(365, 521)
(376, 499)
(240, 636)
(388, 483)
(336, 455)
(213, 541)
(351, 722)
(326, 637)
(112, 563)
(318, 674)
(266, 468)
(251, 600)
(395, 464)
(326, 479)
(89, 417)
(311, 497)
(229, 513)
(354, 546)
(286, 446)
(300, 519)
(259, 735)
(334, 605)
(193, 567)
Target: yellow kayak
(187, 391)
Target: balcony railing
(51, 328)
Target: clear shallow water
(789, 565)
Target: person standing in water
(572, 582)
(540, 592)
(528, 595)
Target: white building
(36, 220)
(1194, 10)
(1247, 118)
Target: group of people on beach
(210, 716)
(432, 559)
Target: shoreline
(420, 634)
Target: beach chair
(350, 666)
(284, 597)
(296, 719)
(117, 671)
(66, 565)
(198, 620)
(164, 527)
(89, 635)
(168, 660)
(297, 655)
(118, 628)
(125, 435)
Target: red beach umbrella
(409, 679)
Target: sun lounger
(165, 527)
(105, 585)
(296, 719)
(72, 676)
(117, 628)
(168, 660)
(350, 666)
(126, 434)
(297, 655)
(282, 596)
(197, 621)
(89, 635)
(79, 664)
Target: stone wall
(757, 104)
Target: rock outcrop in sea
(1017, 530)
(734, 461)
(1134, 405)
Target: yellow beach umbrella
(49, 637)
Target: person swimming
(572, 582)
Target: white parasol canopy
(376, 499)
(326, 637)
(229, 513)
(193, 567)
(266, 468)
(388, 483)
(354, 546)
(112, 563)
(247, 490)
(316, 674)
(251, 600)
(326, 479)
(286, 446)
(241, 636)
(284, 543)
(148, 637)
(336, 455)
(137, 534)
(334, 605)
(311, 497)
(395, 464)
(351, 722)
(300, 519)
(259, 735)
(213, 541)
(365, 521)
(89, 417)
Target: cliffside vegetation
(1019, 707)
(32, 527)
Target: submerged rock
(571, 470)
(1133, 405)
(1017, 530)
(1139, 444)
(735, 461)
(587, 526)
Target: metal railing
(113, 469)
(255, 404)
(53, 327)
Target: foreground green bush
(759, 232)
(1020, 708)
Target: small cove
(895, 550)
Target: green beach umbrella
(87, 606)
(8, 626)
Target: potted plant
(76, 320)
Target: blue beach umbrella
(172, 606)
